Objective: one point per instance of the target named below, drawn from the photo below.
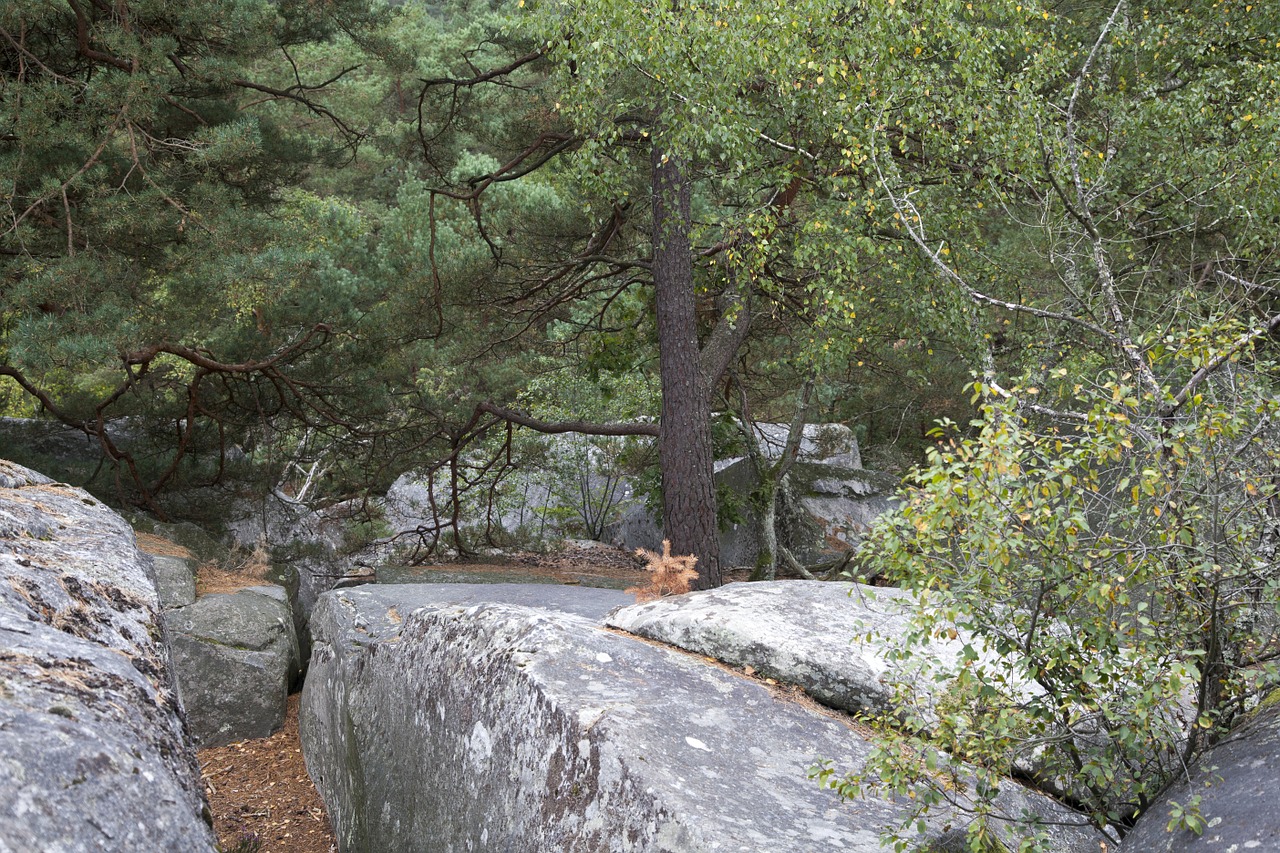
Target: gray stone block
(175, 579)
(588, 602)
(92, 753)
(236, 655)
(833, 640)
(799, 632)
(498, 727)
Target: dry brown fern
(668, 575)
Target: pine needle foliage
(668, 574)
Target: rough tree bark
(684, 436)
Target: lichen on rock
(93, 750)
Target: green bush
(1114, 575)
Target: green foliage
(1117, 580)
(157, 246)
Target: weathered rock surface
(55, 447)
(832, 640)
(577, 488)
(834, 444)
(591, 603)
(799, 632)
(447, 727)
(92, 755)
(175, 579)
(1237, 782)
(833, 507)
(236, 655)
(842, 502)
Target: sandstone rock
(307, 546)
(591, 603)
(832, 640)
(834, 444)
(579, 492)
(841, 503)
(175, 579)
(836, 506)
(236, 655)
(437, 726)
(799, 632)
(92, 755)
(49, 438)
(203, 546)
(577, 486)
(1237, 782)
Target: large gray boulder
(50, 438)
(591, 603)
(236, 655)
(575, 486)
(842, 503)
(1237, 783)
(834, 640)
(833, 444)
(572, 485)
(92, 753)
(308, 545)
(799, 632)
(435, 726)
(833, 507)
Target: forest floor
(262, 799)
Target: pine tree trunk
(684, 437)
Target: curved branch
(557, 427)
(82, 43)
(199, 359)
(1207, 369)
(292, 94)
(485, 76)
(45, 401)
(516, 167)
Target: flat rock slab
(1237, 783)
(587, 602)
(448, 727)
(832, 640)
(92, 753)
(800, 632)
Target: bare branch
(556, 427)
(82, 43)
(486, 76)
(293, 93)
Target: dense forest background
(317, 244)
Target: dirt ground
(262, 799)
(576, 564)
